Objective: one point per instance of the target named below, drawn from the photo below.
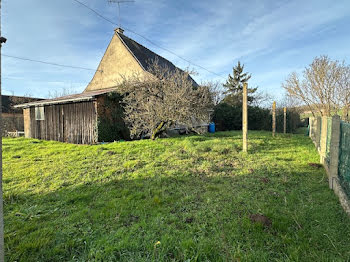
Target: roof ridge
(145, 56)
(149, 50)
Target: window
(39, 113)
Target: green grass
(177, 199)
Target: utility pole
(274, 118)
(284, 120)
(245, 117)
(2, 246)
(120, 2)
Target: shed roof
(86, 96)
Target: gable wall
(116, 63)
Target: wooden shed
(86, 118)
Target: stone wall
(12, 122)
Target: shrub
(293, 120)
(111, 125)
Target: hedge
(227, 117)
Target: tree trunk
(158, 130)
(194, 131)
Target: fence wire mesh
(344, 157)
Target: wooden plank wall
(71, 123)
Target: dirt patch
(265, 180)
(131, 219)
(258, 218)
(316, 165)
(225, 151)
(189, 220)
(110, 153)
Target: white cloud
(212, 34)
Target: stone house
(94, 115)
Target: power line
(49, 63)
(43, 81)
(120, 2)
(171, 52)
(101, 16)
(147, 39)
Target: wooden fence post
(245, 117)
(273, 118)
(284, 120)
(334, 150)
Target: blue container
(211, 128)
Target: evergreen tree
(234, 86)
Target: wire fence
(331, 137)
(344, 157)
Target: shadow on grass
(187, 198)
(180, 217)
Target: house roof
(147, 57)
(86, 96)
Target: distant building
(13, 117)
(94, 115)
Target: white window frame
(39, 113)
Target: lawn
(194, 198)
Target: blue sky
(272, 38)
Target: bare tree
(166, 100)
(343, 91)
(319, 87)
(290, 103)
(262, 99)
(216, 89)
(63, 92)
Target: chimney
(119, 30)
